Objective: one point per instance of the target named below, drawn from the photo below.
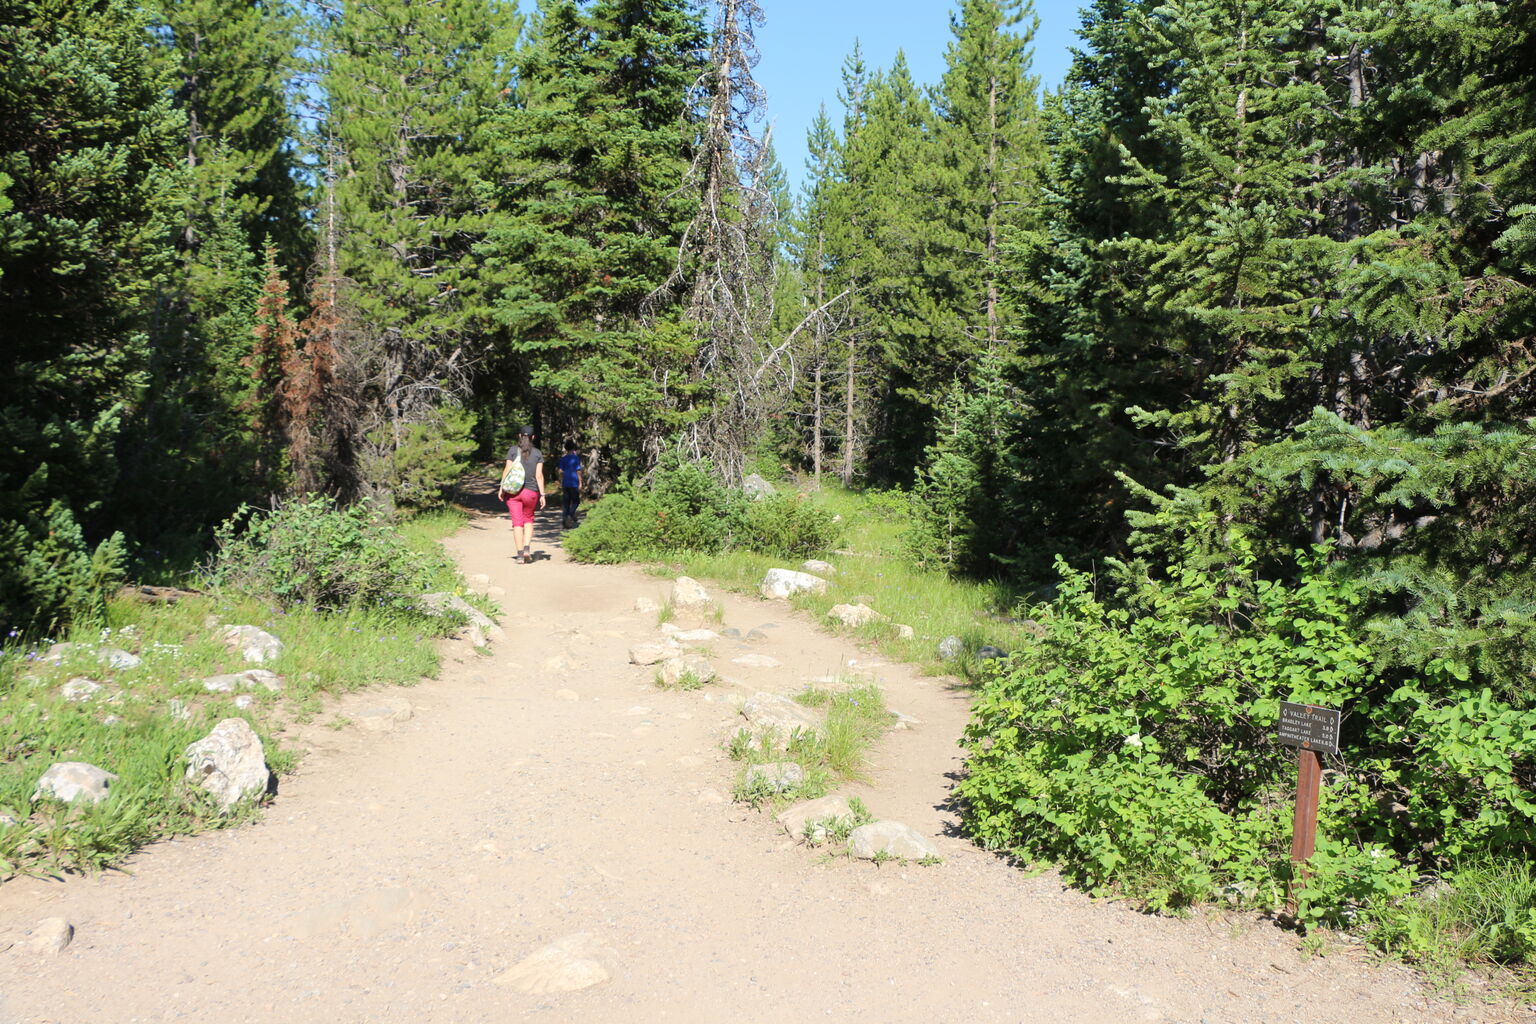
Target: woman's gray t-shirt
(532, 459)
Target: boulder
(79, 689)
(756, 488)
(950, 648)
(817, 567)
(254, 644)
(116, 657)
(675, 670)
(75, 780)
(892, 839)
(778, 776)
(688, 592)
(781, 584)
(442, 603)
(229, 763)
(771, 714)
(251, 678)
(651, 653)
(855, 614)
(795, 818)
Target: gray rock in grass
(854, 614)
(250, 679)
(675, 670)
(781, 584)
(688, 592)
(817, 567)
(891, 839)
(756, 488)
(988, 653)
(79, 689)
(254, 644)
(950, 648)
(229, 763)
(116, 657)
(795, 818)
(75, 780)
(778, 717)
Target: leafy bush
(687, 508)
(315, 552)
(1134, 745)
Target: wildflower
(1133, 740)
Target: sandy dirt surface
(549, 793)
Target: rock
(779, 717)
(756, 636)
(689, 667)
(778, 776)
(247, 680)
(245, 702)
(442, 602)
(731, 633)
(112, 720)
(229, 763)
(855, 614)
(177, 709)
(384, 715)
(781, 584)
(904, 632)
(254, 644)
(75, 780)
(696, 636)
(568, 965)
(709, 795)
(756, 488)
(988, 652)
(651, 653)
(817, 567)
(476, 635)
(495, 591)
(950, 648)
(904, 721)
(891, 838)
(556, 663)
(115, 657)
(51, 935)
(79, 689)
(687, 592)
(646, 606)
(795, 818)
(756, 661)
(479, 579)
(58, 652)
(668, 629)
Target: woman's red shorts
(523, 505)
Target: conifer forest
(1220, 357)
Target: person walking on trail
(570, 484)
(522, 488)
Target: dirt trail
(398, 875)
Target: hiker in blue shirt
(570, 483)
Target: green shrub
(420, 465)
(685, 508)
(315, 552)
(1134, 745)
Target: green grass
(324, 653)
(1482, 915)
(855, 720)
(881, 573)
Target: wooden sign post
(1311, 730)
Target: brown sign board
(1309, 727)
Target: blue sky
(804, 42)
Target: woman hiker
(522, 488)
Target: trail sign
(1312, 730)
(1309, 727)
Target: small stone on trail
(904, 721)
(891, 838)
(637, 711)
(567, 695)
(710, 795)
(51, 935)
(778, 776)
(687, 592)
(696, 636)
(567, 965)
(855, 614)
(669, 629)
(385, 715)
(731, 633)
(254, 644)
(479, 579)
(795, 818)
(75, 780)
(780, 584)
(555, 663)
(756, 635)
(673, 670)
(646, 606)
(651, 653)
(756, 661)
(439, 604)
(79, 689)
(495, 591)
(229, 763)
(950, 648)
(817, 567)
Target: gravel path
(549, 793)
